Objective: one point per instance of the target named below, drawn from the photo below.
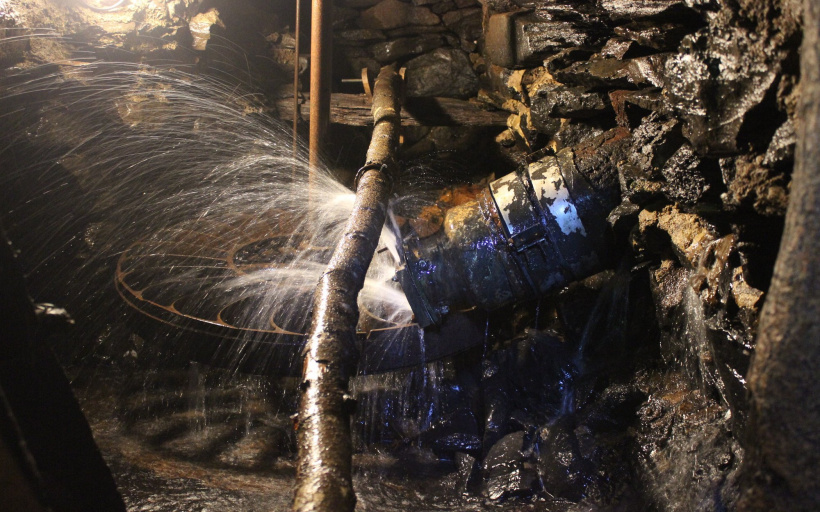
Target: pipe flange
(375, 166)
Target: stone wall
(707, 92)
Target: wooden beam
(354, 110)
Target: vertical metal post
(297, 22)
(320, 62)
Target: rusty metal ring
(375, 166)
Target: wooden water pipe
(324, 471)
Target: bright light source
(104, 5)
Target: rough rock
(631, 107)
(617, 48)
(713, 273)
(536, 38)
(443, 7)
(344, 17)
(453, 18)
(160, 20)
(599, 158)
(751, 184)
(443, 138)
(572, 133)
(397, 49)
(749, 68)
(504, 83)
(359, 4)
(685, 181)
(653, 144)
(516, 40)
(571, 11)
(455, 431)
(352, 59)
(468, 27)
(623, 217)
(696, 337)
(468, 472)
(200, 26)
(688, 233)
(416, 30)
(360, 36)
(616, 74)
(631, 10)
(509, 472)
(689, 450)
(389, 14)
(560, 464)
(567, 57)
(668, 281)
(658, 36)
(521, 124)
(568, 102)
(781, 149)
(443, 72)
(496, 389)
(499, 6)
(744, 295)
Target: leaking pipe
(324, 480)
(784, 458)
(321, 43)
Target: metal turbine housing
(529, 233)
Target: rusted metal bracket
(366, 84)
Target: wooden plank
(354, 110)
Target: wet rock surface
(537, 37)
(616, 74)
(559, 101)
(708, 480)
(508, 472)
(389, 14)
(442, 72)
(396, 49)
(703, 94)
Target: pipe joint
(528, 234)
(383, 168)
